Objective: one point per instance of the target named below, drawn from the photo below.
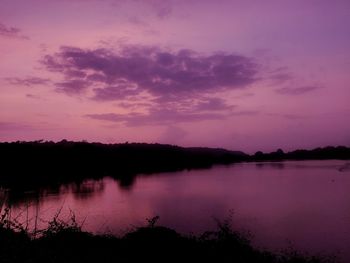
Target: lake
(303, 204)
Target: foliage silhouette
(329, 152)
(66, 242)
(31, 164)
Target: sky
(242, 74)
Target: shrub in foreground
(66, 242)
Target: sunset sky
(241, 74)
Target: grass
(66, 242)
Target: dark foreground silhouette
(32, 164)
(66, 242)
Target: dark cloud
(11, 32)
(121, 90)
(29, 81)
(296, 91)
(178, 87)
(162, 74)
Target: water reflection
(127, 182)
(306, 203)
(78, 190)
(85, 189)
(269, 165)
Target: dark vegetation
(33, 163)
(30, 164)
(66, 242)
(326, 153)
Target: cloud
(280, 75)
(169, 116)
(245, 113)
(279, 78)
(29, 81)
(160, 8)
(11, 32)
(9, 128)
(32, 96)
(296, 91)
(163, 9)
(287, 116)
(213, 104)
(172, 86)
(139, 69)
(117, 91)
(72, 87)
(156, 117)
(13, 126)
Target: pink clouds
(136, 69)
(11, 32)
(297, 91)
(157, 117)
(177, 84)
(70, 87)
(249, 74)
(29, 81)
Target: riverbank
(67, 242)
(29, 165)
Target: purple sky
(239, 74)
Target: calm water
(305, 204)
